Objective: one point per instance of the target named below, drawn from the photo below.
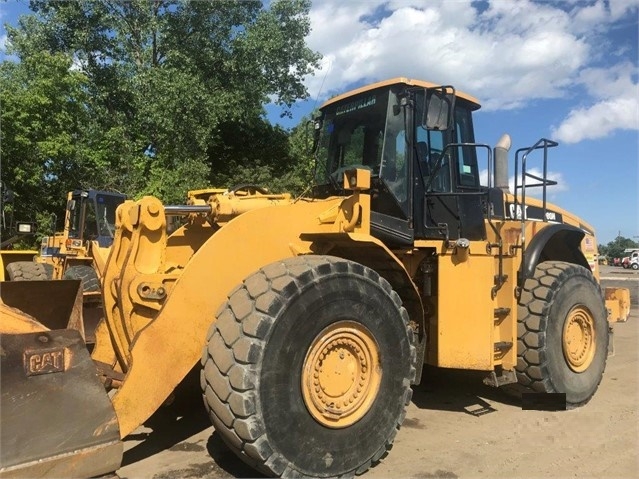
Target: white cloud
(500, 55)
(620, 8)
(3, 43)
(600, 119)
(616, 106)
(508, 54)
(611, 82)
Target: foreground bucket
(57, 304)
(57, 420)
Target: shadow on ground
(172, 426)
(460, 391)
(228, 461)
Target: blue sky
(566, 70)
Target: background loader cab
(92, 216)
(80, 252)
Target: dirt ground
(454, 427)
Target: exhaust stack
(501, 162)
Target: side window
(467, 169)
(430, 145)
(75, 213)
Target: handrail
(544, 182)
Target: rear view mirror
(438, 108)
(71, 205)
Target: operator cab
(92, 215)
(417, 141)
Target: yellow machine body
(618, 304)
(153, 282)
(162, 288)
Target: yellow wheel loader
(81, 250)
(311, 317)
(78, 253)
(26, 286)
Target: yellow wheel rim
(341, 374)
(579, 339)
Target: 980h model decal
(533, 213)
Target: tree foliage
(615, 249)
(150, 97)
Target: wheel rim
(579, 340)
(341, 374)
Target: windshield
(105, 212)
(99, 216)
(365, 131)
(352, 135)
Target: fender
(168, 335)
(558, 242)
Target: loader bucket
(56, 304)
(617, 304)
(57, 419)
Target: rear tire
(27, 271)
(635, 266)
(88, 276)
(562, 332)
(286, 336)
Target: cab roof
(474, 103)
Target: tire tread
(536, 299)
(240, 379)
(27, 271)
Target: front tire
(563, 332)
(308, 368)
(85, 273)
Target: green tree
(243, 158)
(161, 96)
(615, 249)
(43, 116)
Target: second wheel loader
(79, 252)
(310, 318)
